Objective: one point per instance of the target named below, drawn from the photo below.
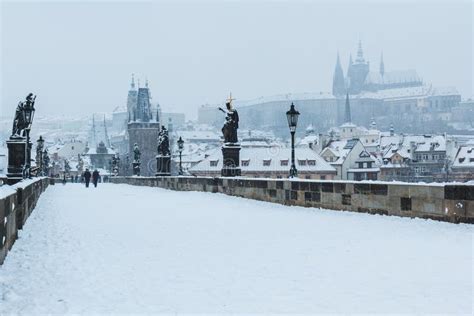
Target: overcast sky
(79, 56)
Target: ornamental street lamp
(45, 163)
(292, 116)
(39, 155)
(180, 149)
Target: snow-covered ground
(120, 248)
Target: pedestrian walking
(87, 177)
(95, 177)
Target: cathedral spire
(338, 86)
(347, 114)
(132, 85)
(360, 53)
(382, 66)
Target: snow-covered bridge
(121, 248)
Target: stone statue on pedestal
(163, 159)
(136, 160)
(231, 146)
(20, 123)
(163, 142)
(136, 153)
(231, 124)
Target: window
(322, 177)
(302, 162)
(307, 177)
(213, 163)
(311, 162)
(266, 162)
(405, 204)
(245, 163)
(361, 165)
(471, 159)
(284, 162)
(369, 164)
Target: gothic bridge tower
(143, 129)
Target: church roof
(393, 77)
(408, 92)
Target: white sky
(78, 56)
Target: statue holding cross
(231, 124)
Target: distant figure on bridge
(95, 177)
(87, 177)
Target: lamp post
(180, 149)
(39, 155)
(292, 116)
(45, 163)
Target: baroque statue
(21, 122)
(231, 124)
(136, 153)
(163, 142)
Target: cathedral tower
(338, 85)
(358, 72)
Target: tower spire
(132, 85)
(360, 53)
(382, 66)
(347, 114)
(107, 140)
(338, 86)
(93, 130)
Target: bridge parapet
(444, 202)
(16, 204)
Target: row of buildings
(352, 152)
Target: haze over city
(78, 57)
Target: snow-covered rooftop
(269, 159)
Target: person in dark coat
(87, 177)
(95, 177)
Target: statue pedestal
(17, 155)
(163, 166)
(136, 168)
(231, 160)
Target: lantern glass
(292, 117)
(180, 143)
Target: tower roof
(347, 112)
(360, 54)
(338, 85)
(132, 84)
(382, 65)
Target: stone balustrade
(444, 202)
(16, 204)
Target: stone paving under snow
(120, 248)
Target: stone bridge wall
(16, 204)
(444, 202)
